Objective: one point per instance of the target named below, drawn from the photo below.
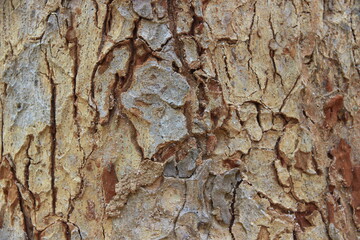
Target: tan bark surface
(180, 119)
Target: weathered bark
(180, 119)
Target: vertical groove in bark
(179, 49)
(53, 141)
(27, 166)
(52, 133)
(3, 95)
(233, 201)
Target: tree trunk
(180, 119)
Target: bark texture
(180, 119)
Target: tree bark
(180, 119)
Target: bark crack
(29, 228)
(352, 29)
(96, 18)
(251, 29)
(3, 95)
(232, 207)
(132, 61)
(67, 231)
(52, 131)
(179, 46)
(53, 141)
(272, 53)
(27, 166)
(28, 225)
(288, 95)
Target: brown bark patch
(303, 160)
(301, 216)
(106, 63)
(330, 208)
(5, 172)
(355, 195)
(331, 109)
(211, 143)
(231, 163)
(10, 190)
(343, 164)
(109, 180)
(166, 153)
(290, 50)
(328, 85)
(70, 35)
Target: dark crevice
(53, 142)
(103, 232)
(232, 206)
(227, 40)
(352, 29)
(202, 98)
(305, 114)
(134, 136)
(3, 95)
(295, 237)
(254, 72)
(132, 61)
(27, 165)
(196, 28)
(79, 231)
(175, 67)
(52, 133)
(258, 109)
(67, 231)
(72, 199)
(28, 225)
(161, 46)
(288, 95)
(277, 152)
(141, 58)
(272, 54)
(96, 19)
(103, 61)
(179, 45)
(197, 21)
(120, 82)
(226, 67)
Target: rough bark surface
(180, 119)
